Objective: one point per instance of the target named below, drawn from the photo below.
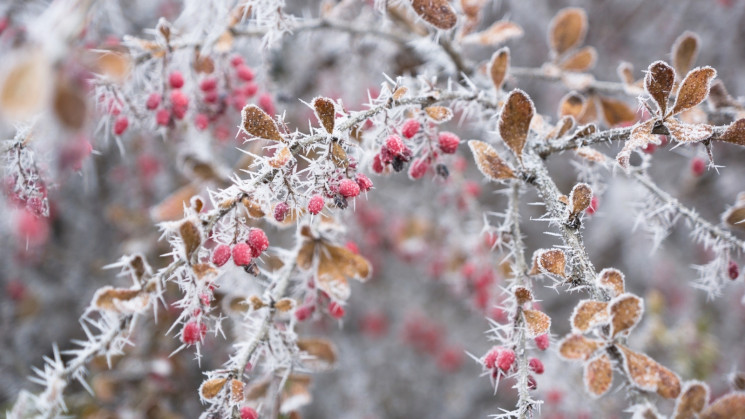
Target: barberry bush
(382, 208)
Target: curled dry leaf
(552, 261)
(325, 112)
(438, 13)
(567, 29)
(659, 83)
(211, 388)
(598, 375)
(735, 133)
(641, 135)
(500, 63)
(191, 236)
(571, 104)
(489, 162)
(253, 207)
(581, 60)
(580, 197)
(735, 216)
(523, 295)
(728, 406)
(685, 51)
(321, 351)
(514, 121)
(590, 154)
(688, 133)
(693, 89)
(625, 311)
(649, 375)
(692, 400)
(578, 347)
(589, 314)
(259, 124)
(499, 32)
(616, 112)
(439, 114)
(121, 300)
(719, 97)
(281, 157)
(204, 270)
(537, 323)
(565, 124)
(69, 104)
(612, 280)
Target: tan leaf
(253, 207)
(588, 314)
(439, 114)
(211, 388)
(580, 197)
(284, 305)
(537, 323)
(735, 217)
(203, 270)
(581, 60)
(489, 162)
(69, 104)
(236, 390)
(259, 124)
(567, 29)
(735, 133)
(120, 299)
(400, 92)
(649, 375)
(305, 255)
(578, 347)
(549, 260)
(499, 32)
(322, 352)
(616, 112)
(117, 65)
(693, 89)
(598, 375)
(640, 136)
(659, 83)
(612, 280)
(589, 111)
(688, 133)
(625, 72)
(281, 157)
(625, 310)
(325, 112)
(203, 63)
(523, 295)
(191, 237)
(685, 51)
(591, 155)
(172, 207)
(731, 405)
(500, 63)
(294, 396)
(24, 84)
(335, 265)
(565, 124)
(438, 13)
(338, 155)
(514, 121)
(692, 400)
(571, 104)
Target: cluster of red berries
(394, 152)
(193, 332)
(501, 360)
(242, 253)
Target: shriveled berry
(349, 188)
(442, 171)
(176, 80)
(536, 365)
(242, 254)
(542, 342)
(448, 142)
(258, 241)
(733, 270)
(248, 413)
(363, 182)
(221, 255)
(162, 117)
(193, 332)
(153, 101)
(505, 359)
(418, 168)
(336, 310)
(316, 204)
(398, 164)
(121, 124)
(280, 211)
(410, 128)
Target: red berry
(419, 168)
(208, 84)
(410, 128)
(349, 188)
(374, 324)
(450, 359)
(593, 206)
(248, 413)
(304, 312)
(536, 365)
(236, 60)
(505, 359)
(193, 332)
(542, 342)
(448, 142)
(176, 80)
(472, 188)
(250, 89)
(490, 359)
(162, 117)
(120, 125)
(316, 204)
(363, 182)
(733, 270)
(650, 148)
(242, 254)
(16, 290)
(394, 145)
(377, 164)
(280, 211)
(258, 241)
(336, 310)
(153, 101)
(266, 103)
(179, 99)
(352, 246)
(201, 121)
(32, 228)
(221, 255)
(211, 97)
(698, 166)
(244, 72)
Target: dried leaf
(400, 93)
(549, 260)
(514, 121)
(692, 400)
(69, 104)
(589, 111)
(336, 264)
(325, 112)
(191, 237)
(616, 112)
(203, 63)
(253, 207)
(236, 390)
(259, 124)
(735, 133)
(281, 157)
(625, 72)
(581, 60)
(693, 89)
(211, 388)
(735, 217)
(120, 299)
(720, 98)
(321, 350)
(589, 314)
(565, 124)
(598, 375)
(537, 323)
(202, 270)
(590, 154)
(24, 86)
(640, 136)
(284, 305)
(659, 83)
(688, 133)
(439, 114)
(580, 197)
(612, 280)
(567, 29)
(578, 347)
(523, 295)
(499, 32)
(114, 64)
(731, 405)
(584, 131)
(571, 104)
(500, 63)
(625, 310)
(489, 162)
(438, 13)
(649, 375)
(338, 155)
(172, 207)
(685, 51)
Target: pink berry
(410, 128)
(394, 145)
(536, 365)
(193, 332)
(16, 290)
(176, 80)
(363, 182)
(221, 255)
(266, 103)
(280, 211)
(32, 228)
(698, 166)
(244, 72)
(201, 121)
(336, 310)
(242, 254)
(120, 125)
(377, 164)
(349, 188)
(258, 241)
(593, 206)
(250, 89)
(208, 84)
(236, 60)
(179, 99)
(304, 312)
(316, 204)
(211, 97)
(505, 359)
(448, 142)
(248, 413)
(733, 270)
(542, 342)
(419, 168)
(490, 359)
(162, 117)
(153, 101)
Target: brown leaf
(720, 98)
(581, 60)
(259, 124)
(336, 264)
(211, 388)
(659, 83)
(500, 63)
(580, 197)
(641, 135)
(598, 375)
(523, 295)
(202, 270)
(253, 207)
(438, 13)
(172, 207)
(625, 310)
(565, 124)
(735, 133)
(549, 260)
(191, 237)
(734, 217)
(69, 104)
(499, 32)
(325, 112)
(203, 63)
(688, 133)
(537, 323)
(489, 162)
(685, 51)
(338, 155)
(284, 305)
(692, 400)
(579, 347)
(588, 314)
(572, 104)
(439, 114)
(731, 405)
(236, 390)
(649, 375)
(590, 154)
(322, 351)
(584, 131)
(514, 121)
(400, 92)
(120, 299)
(567, 29)
(589, 111)
(116, 65)
(612, 280)
(693, 89)
(625, 72)
(25, 84)
(616, 112)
